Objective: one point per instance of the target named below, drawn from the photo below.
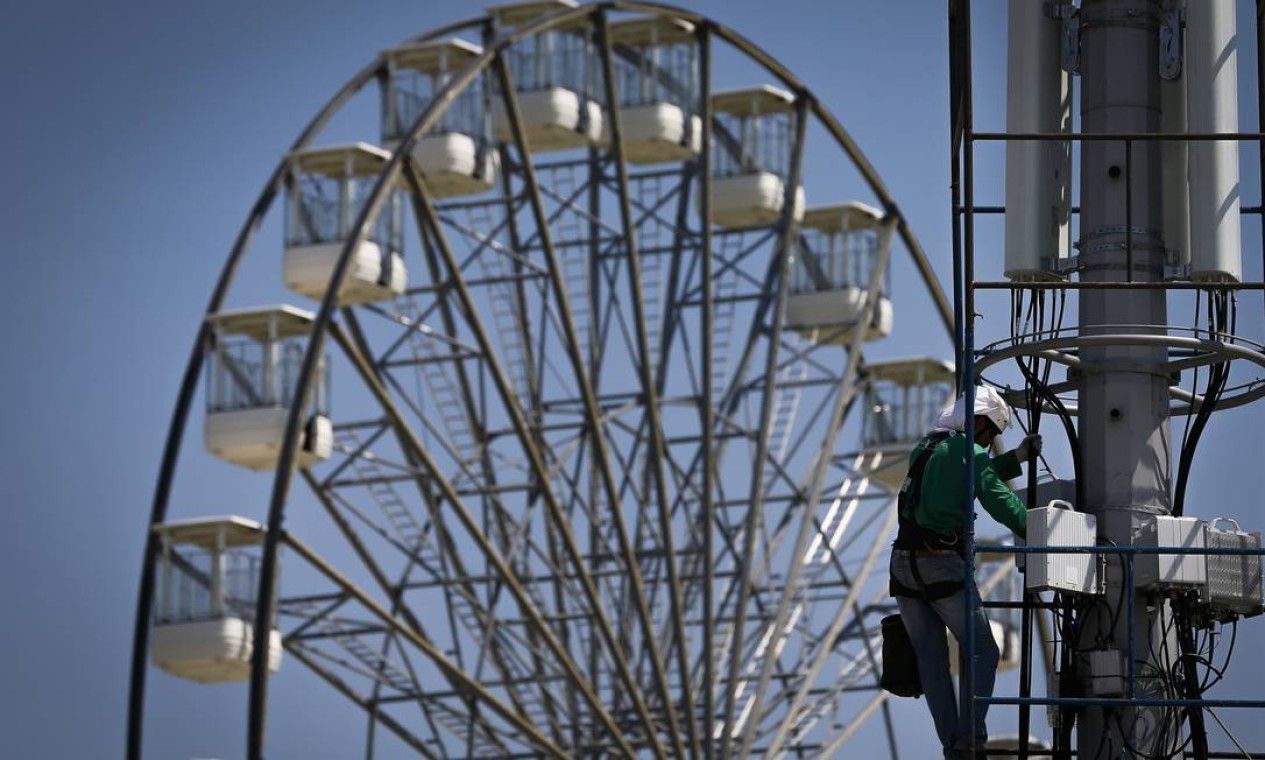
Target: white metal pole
(1123, 414)
(217, 574)
(164, 608)
(269, 395)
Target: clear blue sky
(136, 138)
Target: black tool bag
(900, 666)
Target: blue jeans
(926, 623)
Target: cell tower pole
(1124, 409)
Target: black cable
(1219, 375)
(1189, 680)
(1135, 752)
(1102, 738)
(1100, 639)
(1068, 428)
(1194, 383)
(1234, 634)
(1041, 386)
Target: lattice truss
(497, 362)
(564, 522)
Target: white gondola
(830, 276)
(997, 581)
(455, 156)
(204, 610)
(1007, 640)
(751, 157)
(553, 74)
(1037, 749)
(253, 368)
(902, 399)
(327, 188)
(657, 83)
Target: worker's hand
(1028, 448)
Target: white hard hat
(989, 404)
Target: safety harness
(913, 537)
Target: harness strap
(913, 537)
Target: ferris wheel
(583, 385)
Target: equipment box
(1170, 570)
(1058, 525)
(1234, 581)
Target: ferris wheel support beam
(396, 592)
(379, 577)
(594, 416)
(555, 510)
(658, 446)
(450, 669)
(367, 705)
(817, 479)
(479, 434)
(836, 626)
(746, 579)
(672, 316)
(706, 411)
(530, 612)
(879, 700)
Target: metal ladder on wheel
(505, 305)
(374, 479)
(649, 241)
(724, 289)
(568, 237)
(408, 530)
(379, 667)
(788, 393)
(441, 388)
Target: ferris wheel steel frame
(353, 346)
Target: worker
(928, 565)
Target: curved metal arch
(193, 370)
(370, 211)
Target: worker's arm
(992, 491)
(1007, 466)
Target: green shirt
(940, 504)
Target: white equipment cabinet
(253, 367)
(1233, 581)
(328, 187)
(1170, 570)
(553, 74)
(659, 122)
(205, 605)
(751, 160)
(456, 155)
(1058, 525)
(831, 275)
